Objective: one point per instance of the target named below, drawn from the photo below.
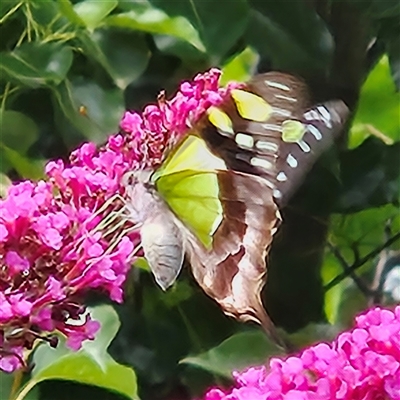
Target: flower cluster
(361, 364)
(161, 125)
(61, 237)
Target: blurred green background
(69, 69)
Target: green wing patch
(191, 154)
(194, 198)
(292, 131)
(250, 106)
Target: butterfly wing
(234, 272)
(230, 264)
(283, 146)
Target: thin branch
(361, 262)
(347, 269)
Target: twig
(361, 262)
(347, 269)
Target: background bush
(69, 69)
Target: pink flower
(361, 364)
(62, 237)
(162, 125)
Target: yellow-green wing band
(250, 106)
(188, 182)
(191, 154)
(194, 198)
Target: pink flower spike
(65, 236)
(358, 365)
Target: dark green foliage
(68, 70)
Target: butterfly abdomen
(163, 247)
(161, 239)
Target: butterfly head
(140, 194)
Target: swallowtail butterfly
(220, 207)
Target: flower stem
(16, 383)
(25, 390)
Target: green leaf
(36, 64)
(124, 55)
(238, 352)
(152, 20)
(393, 49)
(104, 108)
(18, 131)
(378, 9)
(220, 24)
(49, 20)
(8, 8)
(370, 176)
(92, 364)
(93, 12)
(313, 333)
(142, 263)
(67, 9)
(291, 34)
(352, 302)
(355, 236)
(5, 183)
(26, 168)
(192, 57)
(378, 112)
(6, 382)
(240, 68)
(364, 230)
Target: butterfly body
(161, 238)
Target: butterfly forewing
(322, 124)
(266, 148)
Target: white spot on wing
(272, 127)
(265, 145)
(269, 184)
(311, 115)
(244, 140)
(281, 177)
(292, 161)
(314, 131)
(326, 116)
(281, 111)
(287, 98)
(304, 146)
(277, 85)
(225, 133)
(277, 194)
(261, 162)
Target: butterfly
(223, 220)
(215, 196)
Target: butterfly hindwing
(193, 196)
(234, 271)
